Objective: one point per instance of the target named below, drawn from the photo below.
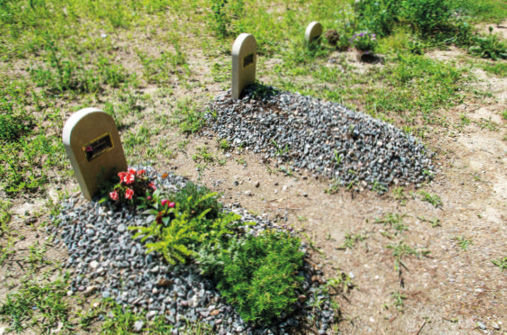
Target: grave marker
(244, 61)
(94, 148)
(313, 31)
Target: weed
(224, 144)
(203, 155)
(431, 198)
(159, 70)
(394, 220)
(398, 300)
(401, 250)
(37, 305)
(280, 151)
(501, 263)
(342, 283)
(5, 216)
(351, 240)
(399, 195)
(487, 124)
(463, 243)
(186, 115)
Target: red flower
(167, 203)
(152, 186)
(132, 171)
(129, 193)
(141, 172)
(149, 197)
(122, 176)
(113, 195)
(130, 178)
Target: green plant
(433, 199)
(224, 144)
(37, 305)
(401, 250)
(364, 41)
(351, 240)
(195, 199)
(280, 151)
(119, 320)
(463, 243)
(203, 155)
(398, 300)
(394, 220)
(12, 125)
(133, 188)
(378, 16)
(501, 263)
(489, 46)
(186, 115)
(258, 274)
(427, 17)
(342, 283)
(174, 238)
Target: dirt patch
(497, 29)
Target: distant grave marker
(244, 61)
(313, 31)
(94, 148)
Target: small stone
(151, 314)
(214, 312)
(481, 325)
(257, 184)
(122, 228)
(90, 290)
(164, 282)
(302, 298)
(138, 326)
(94, 265)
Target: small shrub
(364, 41)
(379, 16)
(13, 126)
(195, 199)
(258, 275)
(489, 46)
(427, 17)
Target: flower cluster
(364, 41)
(134, 186)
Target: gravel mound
(324, 137)
(107, 261)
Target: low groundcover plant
(258, 274)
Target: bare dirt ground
(449, 291)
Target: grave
(244, 61)
(313, 31)
(94, 148)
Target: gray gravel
(107, 261)
(324, 137)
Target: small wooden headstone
(313, 31)
(94, 148)
(244, 61)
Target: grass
(38, 306)
(463, 243)
(393, 220)
(501, 263)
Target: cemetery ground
(422, 259)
